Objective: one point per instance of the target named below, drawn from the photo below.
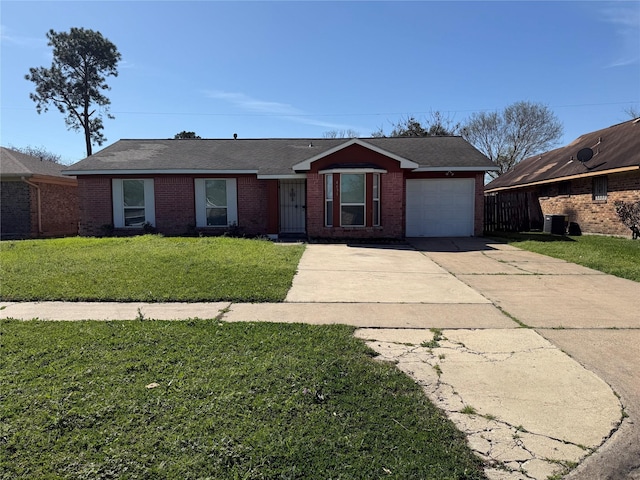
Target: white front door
(293, 204)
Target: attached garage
(440, 207)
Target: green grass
(616, 256)
(147, 268)
(233, 401)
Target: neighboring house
(321, 188)
(36, 199)
(583, 179)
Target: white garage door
(440, 208)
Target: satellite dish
(585, 155)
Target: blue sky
(300, 69)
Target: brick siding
(175, 201)
(15, 214)
(391, 210)
(253, 207)
(478, 218)
(594, 216)
(175, 204)
(391, 197)
(59, 210)
(96, 210)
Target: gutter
(37, 187)
(599, 173)
(168, 171)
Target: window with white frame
(328, 200)
(216, 202)
(376, 199)
(599, 189)
(133, 202)
(352, 199)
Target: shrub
(629, 214)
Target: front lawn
(616, 256)
(205, 399)
(147, 268)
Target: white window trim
(201, 202)
(375, 200)
(118, 202)
(328, 199)
(363, 204)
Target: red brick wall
(478, 228)
(356, 154)
(594, 216)
(253, 211)
(391, 196)
(391, 210)
(96, 210)
(15, 216)
(175, 204)
(315, 206)
(59, 208)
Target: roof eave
(281, 176)
(168, 171)
(456, 169)
(563, 179)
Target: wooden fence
(512, 212)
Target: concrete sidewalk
(536, 408)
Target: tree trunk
(87, 127)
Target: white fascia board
(563, 179)
(456, 169)
(169, 171)
(287, 176)
(306, 164)
(353, 170)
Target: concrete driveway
(593, 317)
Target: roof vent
(235, 136)
(310, 144)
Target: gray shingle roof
(268, 156)
(16, 164)
(614, 147)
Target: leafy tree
(185, 135)
(521, 130)
(437, 125)
(82, 59)
(38, 152)
(348, 133)
(629, 215)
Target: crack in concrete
(509, 451)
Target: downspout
(37, 187)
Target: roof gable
(404, 163)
